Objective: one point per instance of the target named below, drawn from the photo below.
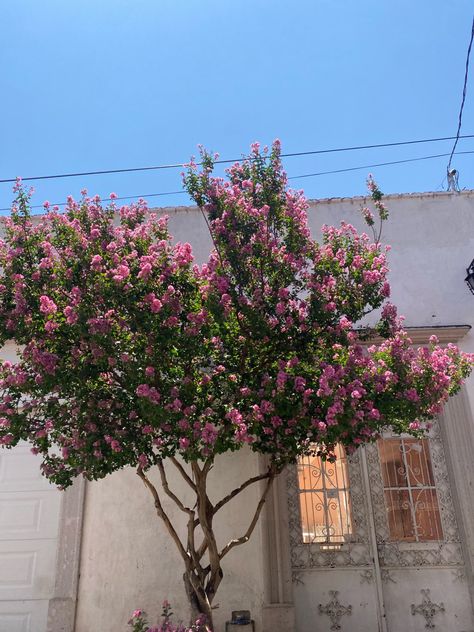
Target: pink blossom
(47, 305)
(121, 273)
(209, 433)
(143, 460)
(71, 315)
(145, 271)
(96, 262)
(183, 254)
(280, 308)
(172, 321)
(143, 390)
(412, 395)
(300, 384)
(281, 379)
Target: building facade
(381, 541)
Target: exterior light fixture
(470, 276)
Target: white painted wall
(127, 561)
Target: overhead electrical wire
(124, 197)
(466, 75)
(379, 164)
(305, 175)
(288, 155)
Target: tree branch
(192, 550)
(237, 490)
(205, 508)
(242, 540)
(162, 514)
(172, 495)
(192, 521)
(183, 472)
(202, 549)
(208, 465)
(206, 514)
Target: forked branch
(168, 492)
(163, 515)
(242, 540)
(183, 472)
(237, 490)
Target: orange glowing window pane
(409, 488)
(324, 499)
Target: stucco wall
(127, 561)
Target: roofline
(397, 196)
(357, 199)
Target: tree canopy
(131, 353)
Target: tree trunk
(203, 573)
(199, 604)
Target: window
(324, 499)
(409, 489)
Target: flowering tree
(130, 355)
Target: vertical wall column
(457, 427)
(278, 613)
(62, 607)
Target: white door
(29, 517)
(374, 541)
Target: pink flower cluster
(138, 622)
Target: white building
(384, 543)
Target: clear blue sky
(104, 84)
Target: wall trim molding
(457, 429)
(421, 335)
(278, 611)
(62, 606)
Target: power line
(379, 164)
(221, 162)
(452, 178)
(306, 175)
(125, 197)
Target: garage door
(29, 518)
